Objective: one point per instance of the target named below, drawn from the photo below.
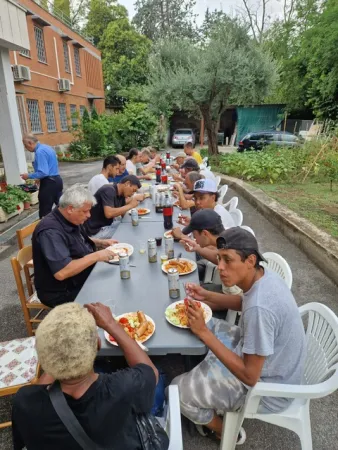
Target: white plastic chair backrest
(248, 229)
(218, 180)
(322, 343)
(279, 265)
(231, 204)
(205, 161)
(237, 217)
(222, 192)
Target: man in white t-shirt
(110, 168)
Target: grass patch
(313, 201)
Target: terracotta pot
(67, 155)
(26, 205)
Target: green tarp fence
(257, 118)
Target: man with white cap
(206, 196)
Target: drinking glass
(142, 246)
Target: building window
(22, 114)
(40, 44)
(77, 61)
(34, 116)
(50, 116)
(82, 110)
(25, 52)
(66, 56)
(73, 115)
(63, 116)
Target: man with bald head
(46, 170)
(123, 172)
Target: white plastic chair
(222, 192)
(278, 264)
(231, 204)
(173, 423)
(248, 229)
(237, 217)
(205, 161)
(218, 180)
(320, 379)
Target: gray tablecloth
(153, 216)
(146, 290)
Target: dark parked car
(260, 139)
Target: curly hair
(66, 342)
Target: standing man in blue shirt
(46, 171)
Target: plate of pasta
(120, 248)
(183, 265)
(138, 325)
(176, 313)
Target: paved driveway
(309, 284)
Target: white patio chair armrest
(262, 389)
(209, 272)
(175, 427)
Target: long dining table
(146, 289)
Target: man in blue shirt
(123, 172)
(46, 171)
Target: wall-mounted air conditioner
(64, 85)
(21, 73)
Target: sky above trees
(228, 6)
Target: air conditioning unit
(21, 73)
(64, 85)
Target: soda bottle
(164, 177)
(167, 213)
(158, 174)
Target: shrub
(315, 159)
(79, 150)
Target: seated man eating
(111, 203)
(63, 254)
(103, 404)
(269, 344)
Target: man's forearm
(218, 301)
(76, 266)
(115, 212)
(99, 243)
(227, 357)
(209, 254)
(132, 352)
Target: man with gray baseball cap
(268, 345)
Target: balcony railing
(60, 15)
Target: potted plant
(67, 154)
(59, 154)
(9, 206)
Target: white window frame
(77, 61)
(26, 53)
(40, 44)
(50, 117)
(66, 56)
(63, 116)
(73, 112)
(20, 103)
(34, 115)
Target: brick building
(60, 75)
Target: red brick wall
(44, 76)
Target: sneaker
(241, 437)
(202, 430)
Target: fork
(179, 256)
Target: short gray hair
(30, 137)
(76, 196)
(195, 176)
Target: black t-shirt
(107, 195)
(105, 412)
(56, 242)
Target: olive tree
(205, 78)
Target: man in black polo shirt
(63, 254)
(113, 200)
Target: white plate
(106, 335)
(121, 245)
(193, 268)
(168, 234)
(207, 310)
(146, 209)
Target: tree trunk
(211, 127)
